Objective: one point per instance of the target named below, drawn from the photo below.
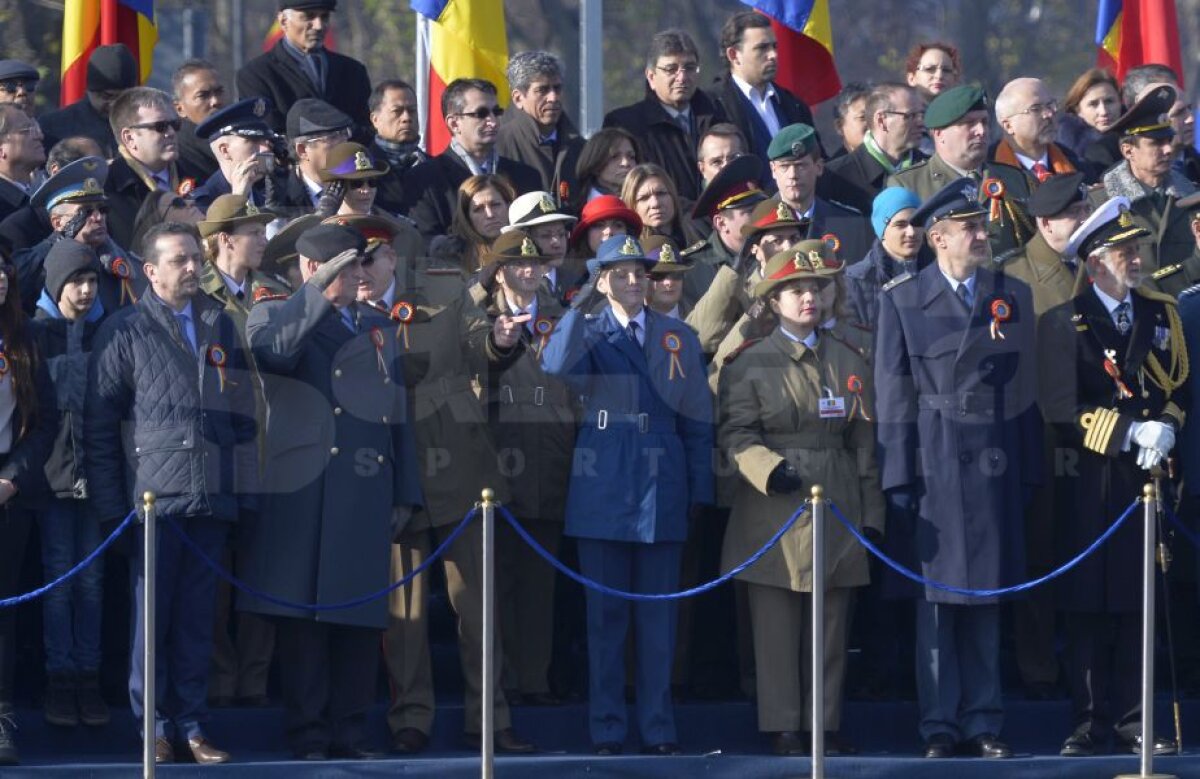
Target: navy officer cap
(244, 118)
(15, 69)
(1056, 193)
(957, 200)
(324, 242)
(310, 116)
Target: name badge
(832, 408)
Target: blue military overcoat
(644, 450)
(958, 425)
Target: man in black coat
(300, 66)
(747, 94)
(397, 140)
(110, 71)
(199, 94)
(472, 116)
(675, 112)
(21, 153)
(537, 131)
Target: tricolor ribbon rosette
(1114, 373)
(218, 358)
(993, 190)
(854, 385)
(832, 241)
(403, 312)
(543, 327)
(121, 268)
(673, 344)
(1001, 312)
(3, 364)
(186, 187)
(377, 340)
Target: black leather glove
(331, 198)
(784, 480)
(872, 535)
(76, 223)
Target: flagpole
(591, 65)
(421, 81)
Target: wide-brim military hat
(606, 207)
(81, 181)
(957, 200)
(665, 254)
(535, 208)
(243, 118)
(281, 248)
(352, 162)
(808, 259)
(1109, 225)
(618, 249)
(1149, 116)
(228, 212)
(771, 214)
(735, 186)
(513, 246)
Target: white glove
(1148, 458)
(1154, 435)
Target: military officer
(279, 257)
(795, 411)
(959, 448)
(723, 208)
(1154, 189)
(1115, 365)
(243, 147)
(958, 122)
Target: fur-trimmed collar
(1119, 181)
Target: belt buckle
(539, 396)
(643, 423)
(601, 419)
(506, 394)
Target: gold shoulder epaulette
(1162, 273)
(729, 358)
(1151, 294)
(697, 246)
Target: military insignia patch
(362, 161)
(546, 205)
(528, 249)
(630, 248)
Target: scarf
(880, 156)
(1059, 164)
(399, 156)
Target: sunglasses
(483, 112)
(89, 210)
(12, 86)
(160, 127)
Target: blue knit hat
(887, 203)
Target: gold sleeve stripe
(1099, 425)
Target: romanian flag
(467, 39)
(91, 23)
(1130, 33)
(805, 38)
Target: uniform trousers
(958, 670)
(782, 620)
(241, 663)
(1034, 615)
(633, 567)
(1104, 671)
(184, 604)
(327, 672)
(407, 638)
(525, 600)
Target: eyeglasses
(483, 112)
(159, 127)
(93, 210)
(929, 70)
(12, 86)
(687, 68)
(1040, 109)
(907, 116)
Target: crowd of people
(967, 319)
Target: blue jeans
(72, 611)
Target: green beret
(953, 104)
(795, 140)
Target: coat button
(380, 458)
(965, 458)
(337, 372)
(334, 451)
(385, 420)
(337, 411)
(386, 380)
(1145, 412)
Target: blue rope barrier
(1187, 532)
(906, 573)
(269, 598)
(594, 585)
(17, 600)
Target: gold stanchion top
(1148, 491)
(148, 498)
(817, 491)
(489, 495)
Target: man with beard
(1028, 118)
(147, 128)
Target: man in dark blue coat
(959, 448)
(171, 412)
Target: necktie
(185, 329)
(1041, 171)
(631, 330)
(964, 295)
(684, 124)
(348, 320)
(1121, 318)
(241, 295)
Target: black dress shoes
(663, 749)
(505, 741)
(608, 748)
(836, 746)
(1162, 745)
(986, 745)
(409, 741)
(789, 743)
(939, 745)
(354, 752)
(1078, 744)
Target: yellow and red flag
(467, 39)
(1130, 33)
(91, 23)
(805, 39)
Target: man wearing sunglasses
(18, 82)
(300, 66)
(110, 71)
(472, 115)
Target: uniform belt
(441, 387)
(508, 395)
(962, 402)
(779, 441)
(645, 423)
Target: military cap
(606, 207)
(957, 200)
(81, 181)
(324, 242)
(513, 246)
(310, 116)
(795, 140)
(665, 255)
(281, 248)
(1109, 225)
(244, 118)
(619, 248)
(11, 70)
(110, 68)
(308, 5)
(953, 104)
(808, 259)
(1149, 116)
(377, 229)
(1055, 194)
(65, 260)
(535, 208)
(735, 186)
(352, 162)
(772, 214)
(888, 203)
(228, 212)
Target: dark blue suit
(959, 432)
(642, 458)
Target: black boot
(8, 744)
(59, 705)
(93, 711)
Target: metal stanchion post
(149, 582)
(1149, 499)
(487, 756)
(818, 632)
